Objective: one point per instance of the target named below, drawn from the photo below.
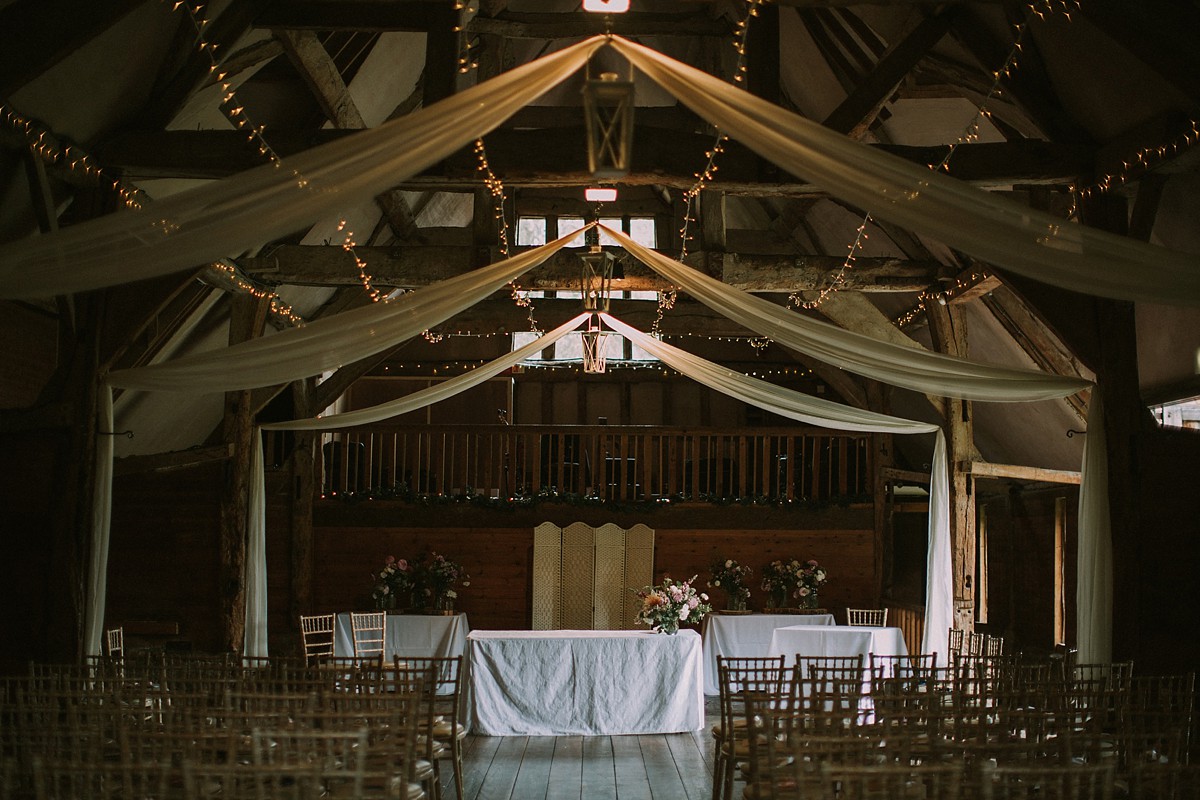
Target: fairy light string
(70, 158)
(495, 187)
(691, 195)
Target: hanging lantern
(595, 280)
(595, 345)
(608, 115)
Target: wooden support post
(712, 221)
(947, 325)
(884, 457)
(303, 486)
(246, 322)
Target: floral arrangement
(812, 575)
(435, 580)
(793, 579)
(732, 577)
(667, 606)
(393, 584)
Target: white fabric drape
(227, 217)
(1094, 583)
(762, 394)
(939, 590)
(255, 643)
(987, 226)
(328, 343)
(939, 570)
(97, 586)
(935, 373)
(256, 556)
(432, 394)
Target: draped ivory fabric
(255, 570)
(227, 217)
(432, 394)
(757, 392)
(939, 569)
(935, 373)
(939, 586)
(329, 343)
(256, 556)
(1094, 583)
(989, 227)
(97, 586)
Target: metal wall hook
(126, 434)
(1071, 433)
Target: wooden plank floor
(648, 767)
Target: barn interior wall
(163, 559)
(1020, 553)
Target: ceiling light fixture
(606, 6)
(600, 194)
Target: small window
(568, 225)
(531, 231)
(642, 231)
(1183, 414)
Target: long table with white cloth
(584, 683)
(745, 635)
(836, 640)
(412, 635)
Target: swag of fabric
(227, 217)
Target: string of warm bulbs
(971, 133)
(691, 195)
(496, 187)
(1135, 165)
(44, 144)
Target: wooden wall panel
(499, 561)
(162, 563)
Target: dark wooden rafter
(175, 89)
(1028, 84)
(762, 53)
(323, 78)
(556, 157)
(37, 34)
(1036, 339)
(860, 109)
(419, 265)
(954, 79)
(172, 460)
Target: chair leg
(718, 774)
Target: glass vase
(737, 602)
(669, 626)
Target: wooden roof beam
(412, 266)
(556, 157)
(860, 109)
(321, 74)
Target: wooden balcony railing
(609, 462)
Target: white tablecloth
(839, 640)
(414, 635)
(745, 635)
(588, 683)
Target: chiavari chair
(869, 617)
(317, 635)
(1047, 782)
(736, 677)
(888, 781)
